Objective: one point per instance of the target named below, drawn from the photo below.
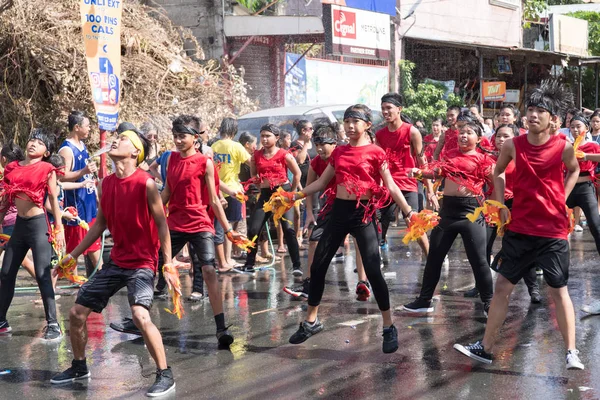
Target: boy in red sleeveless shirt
(136, 232)
(537, 234)
(189, 193)
(449, 139)
(401, 141)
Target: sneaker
(573, 361)
(161, 294)
(77, 372)
(126, 326)
(362, 291)
(224, 337)
(51, 332)
(4, 327)
(339, 257)
(592, 308)
(475, 351)
(446, 262)
(419, 306)
(539, 271)
(247, 269)
(195, 297)
(578, 228)
(383, 245)
(163, 384)
(305, 331)
(297, 272)
(299, 290)
(536, 297)
(473, 292)
(390, 340)
(486, 308)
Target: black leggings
(454, 222)
(530, 278)
(346, 219)
(30, 233)
(257, 222)
(584, 196)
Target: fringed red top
(588, 167)
(470, 171)
(450, 143)
(400, 160)
(429, 145)
(357, 169)
(272, 170)
(26, 182)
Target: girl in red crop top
(584, 193)
(466, 172)
(449, 138)
(25, 184)
(269, 167)
(358, 167)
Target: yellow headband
(137, 143)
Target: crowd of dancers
(359, 182)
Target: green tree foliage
(425, 102)
(532, 9)
(593, 19)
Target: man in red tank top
(136, 233)
(537, 234)
(402, 143)
(449, 139)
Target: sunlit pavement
(344, 361)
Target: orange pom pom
(419, 224)
(174, 287)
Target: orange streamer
(244, 244)
(4, 238)
(491, 212)
(174, 286)
(571, 217)
(419, 224)
(280, 203)
(242, 198)
(73, 211)
(66, 269)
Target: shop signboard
(494, 91)
(568, 35)
(356, 33)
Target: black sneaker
(196, 297)
(474, 292)
(51, 332)
(78, 371)
(305, 331)
(161, 294)
(536, 297)
(5, 327)
(486, 308)
(297, 272)
(475, 351)
(419, 306)
(246, 269)
(390, 340)
(362, 291)
(298, 290)
(163, 384)
(126, 326)
(338, 257)
(224, 337)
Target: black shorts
(203, 243)
(388, 213)
(233, 212)
(317, 231)
(95, 293)
(521, 252)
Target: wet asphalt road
(344, 361)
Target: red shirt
(188, 202)
(29, 180)
(397, 146)
(470, 171)
(450, 142)
(319, 165)
(272, 169)
(124, 203)
(588, 166)
(539, 192)
(509, 183)
(429, 144)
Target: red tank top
(29, 180)
(429, 144)
(319, 165)
(274, 169)
(450, 142)
(397, 147)
(588, 167)
(509, 184)
(539, 194)
(124, 203)
(188, 202)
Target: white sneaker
(592, 308)
(573, 361)
(578, 228)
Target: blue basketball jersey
(84, 199)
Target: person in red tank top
(402, 143)
(430, 141)
(136, 233)
(189, 193)
(537, 233)
(269, 167)
(449, 139)
(359, 168)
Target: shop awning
(247, 25)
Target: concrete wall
(203, 17)
(464, 21)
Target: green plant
(593, 19)
(532, 10)
(425, 102)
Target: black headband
(465, 118)
(357, 115)
(180, 128)
(581, 119)
(392, 100)
(42, 138)
(324, 140)
(546, 105)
